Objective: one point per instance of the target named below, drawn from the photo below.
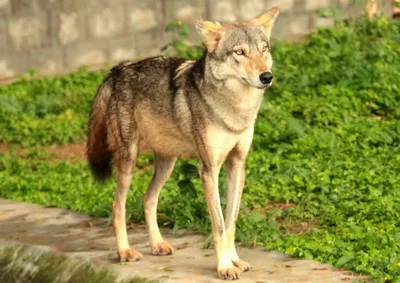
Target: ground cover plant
(47, 110)
(323, 176)
(26, 264)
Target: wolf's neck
(235, 103)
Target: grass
(323, 175)
(22, 264)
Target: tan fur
(183, 68)
(267, 20)
(256, 64)
(162, 170)
(124, 178)
(204, 109)
(211, 33)
(160, 134)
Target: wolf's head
(241, 50)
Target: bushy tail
(99, 157)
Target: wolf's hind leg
(163, 167)
(125, 160)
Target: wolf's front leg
(235, 173)
(209, 177)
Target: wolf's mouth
(265, 86)
(246, 81)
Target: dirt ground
(68, 152)
(93, 239)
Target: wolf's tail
(99, 157)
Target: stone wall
(60, 35)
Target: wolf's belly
(168, 146)
(162, 135)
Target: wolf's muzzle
(266, 78)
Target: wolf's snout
(266, 78)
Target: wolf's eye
(239, 52)
(264, 48)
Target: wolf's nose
(266, 78)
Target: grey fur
(179, 108)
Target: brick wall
(59, 35)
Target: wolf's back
(99, 157)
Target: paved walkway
(76, 234)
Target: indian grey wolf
(203, 109)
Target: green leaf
(343, 260)
(397, 237)
(171, 26)
(324, 13)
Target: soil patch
(69, 152)
(3, 147)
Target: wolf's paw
(129, 255)
(242, 265)
(230, 273)
(162, 248)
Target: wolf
(174, 108)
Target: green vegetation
(323, 176)
(48, 110)
(32, 265)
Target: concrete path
(74, 234)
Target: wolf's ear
(267, 19)
(210, 33)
